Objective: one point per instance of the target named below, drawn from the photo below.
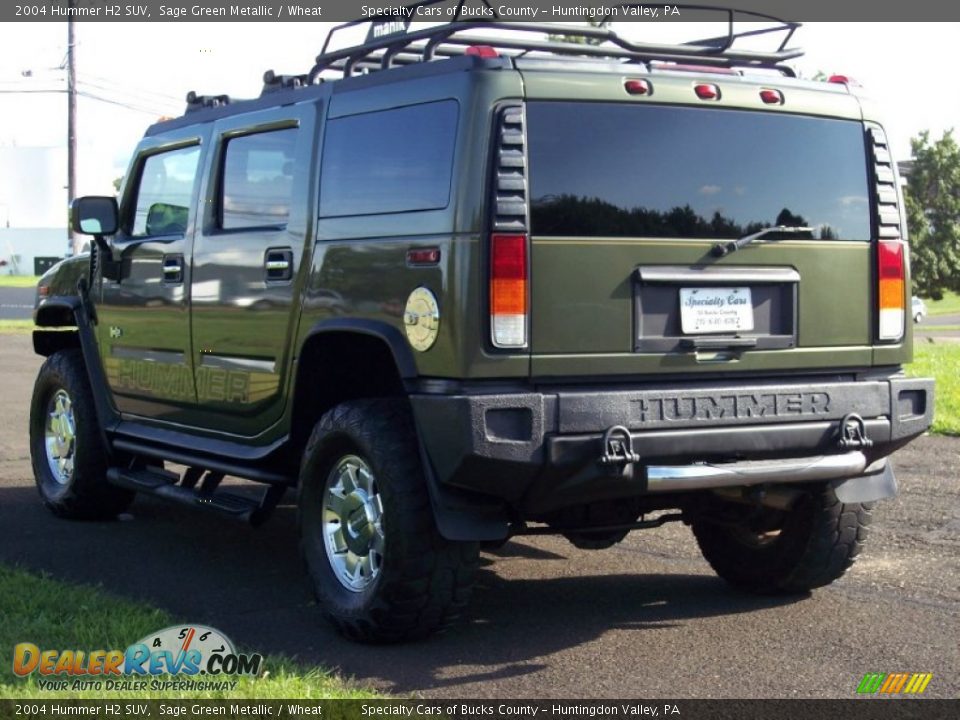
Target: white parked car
(919, 309)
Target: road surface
(644, 619)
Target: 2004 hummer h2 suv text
(452, 290)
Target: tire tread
(429, 588)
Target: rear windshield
(604, 169)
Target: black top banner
(504, 10)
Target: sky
(132, 73)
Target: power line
(32, 92)
(141, 100)
(109, 101)
(127, 88)
(91, 96)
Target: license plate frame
(716, 310)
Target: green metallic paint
(677, 89)
(355, 268)
(594, 320)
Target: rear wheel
(380, 568)
(66, 449)
(784, 552)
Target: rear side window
(390, 161)
(257, 180)
(164, 192)
(603, 169)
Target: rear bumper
(540, 451)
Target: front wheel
(786, 552)
(69, 459)
(380, 568)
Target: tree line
(932, 199)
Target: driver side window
(164, 192)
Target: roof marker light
(482, 51)
(707, 91)
(771, 96)
(637, 87)
(843, 80)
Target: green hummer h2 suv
(451, 290)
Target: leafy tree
(579, 39)
(789, 219)
(933, 215)
(117, 182)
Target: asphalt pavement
(646, 618)
(16, 303)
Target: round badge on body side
(421, 319)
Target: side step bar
(165, 484)
(670, 478)
(190, 459)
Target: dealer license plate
(716, 310)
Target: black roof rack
(392, 44)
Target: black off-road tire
(424, 581)
(86, 494)
(818, 540)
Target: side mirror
(98, 216)
(94, 215)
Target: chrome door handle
(172, 268)
(278, 264)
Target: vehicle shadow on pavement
(250, 584)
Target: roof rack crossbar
(718, 50)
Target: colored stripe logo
(894, 683)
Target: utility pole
(71, 122)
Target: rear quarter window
(391, 161)
(605, 169)
(257, 180)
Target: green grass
(934, 329)
(18, 281)
(948, 306)
(942, 362)
(55, 615)
(16, 327)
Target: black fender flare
(456, 518)
(394, 339)
(52, 314)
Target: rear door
(628, 201)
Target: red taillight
(771, 97)
(891, 290)
(707, 91)
(484, 51)
(508, 290)
(637, 87)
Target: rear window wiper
(721, 249)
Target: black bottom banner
(862, 708)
